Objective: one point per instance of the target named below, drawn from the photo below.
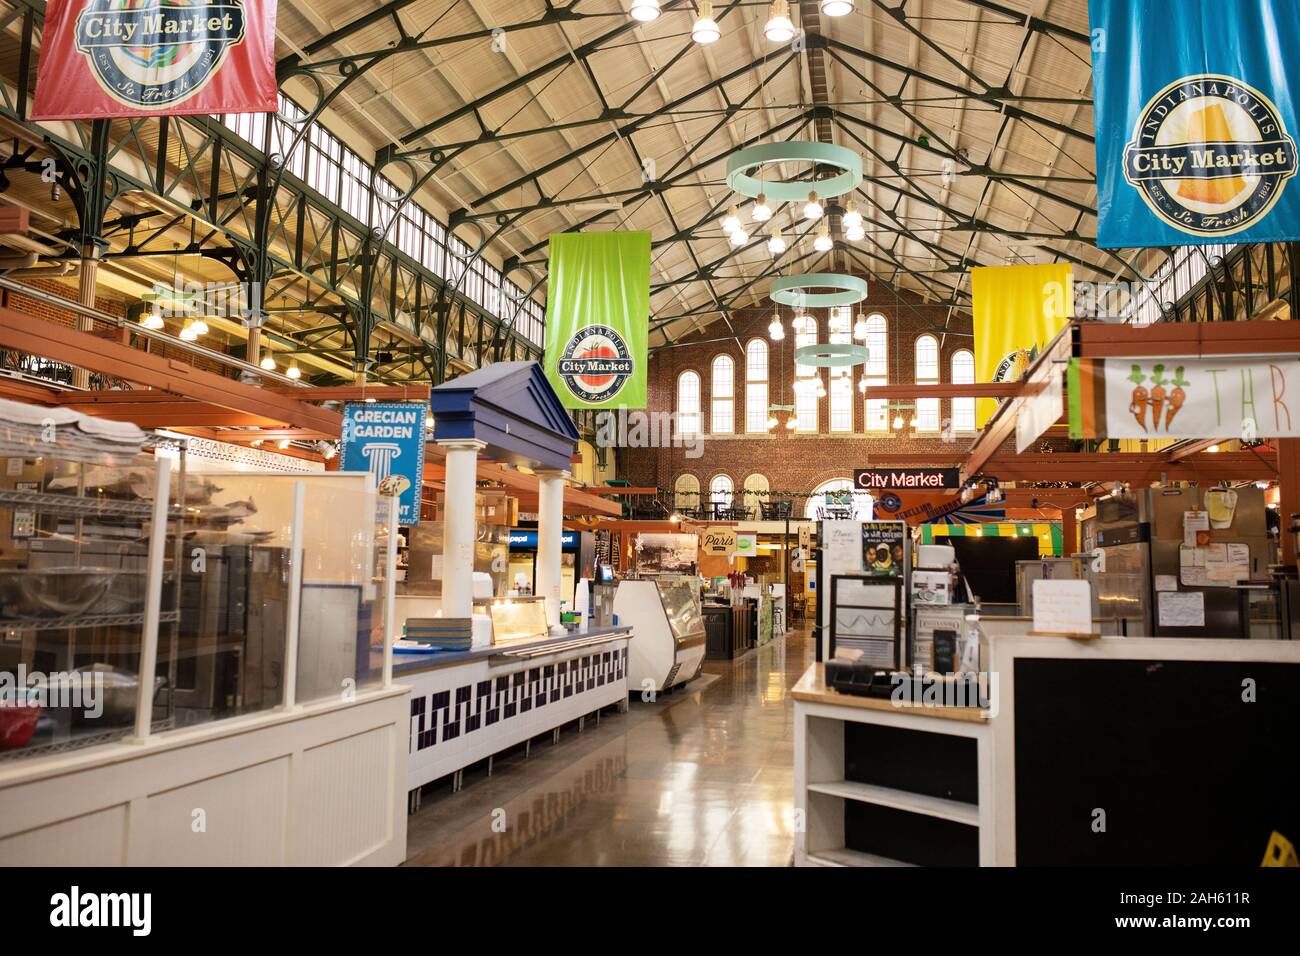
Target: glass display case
(681, 601)
(515, 620)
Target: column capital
(461, 444)
(553, 473)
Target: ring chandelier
(791, 290)
(743, 162)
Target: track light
(761, 212)
(823, 241)
(731, 222)
(779, 29)
(776, 245)
(645, 10)
(268, 362)
(812, 210)
(705, 30)
(837, 8)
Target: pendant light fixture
(761, 212)
(862, 385)
(200, 327)
(898, 422)
(293, 371)
(812, 210)
(188, 332)
(779, 29)
(776, 245)
(739, 237)
(820, 388)
(645, 10)
(860, 328)
(772, 422)
(852, 219)
(151, 320)
(837, 8)
(268, 362)
(705, 30)
(731, 221)
(776, 331)
(855, 234)
(792, 423)
(823, 241)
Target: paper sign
(1196, 528)
(746, 546)
(931, 587)
(1062, 607)
(1166, 582)
(842, 547)
(1181, 608)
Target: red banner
(109, 58)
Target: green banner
(598, 318)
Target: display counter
(1085, 752)
(467, 706)
(670, 636)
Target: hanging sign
(598, 318)
(746, 546)
(111, 58)
(387, 440)
(1184, 398)
(873, 479)
(720, 542)
(1195, 121)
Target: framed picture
(866, 616)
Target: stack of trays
(445, 633)
(30, 431)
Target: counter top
(413, 663)
(813, 689)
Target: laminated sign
(111, 58)
(1195, 121)
(598, 318)
(387, 440)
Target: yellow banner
(1016, 310)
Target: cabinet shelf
(954, 810)
(83, 620)
(73, 506)
(846, 857)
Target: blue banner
(1195, 120)
(387, 440)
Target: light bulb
(268, 363)
(293, 371)
(860, 329)
(428, 421)
(739, 237)
(852, 219)
(779, 29)
(776, 245)
(823, 241)
(862, 385)
(792, 424)
(776, 331)
(705, 30)
(151, 320)
(913, 423)
(187, 333)
(772, 423)
(645, 10)
(898, 422)
(731, 222)
(820, 389)
(855, 234)
(813, 208)
(200, 327)
(837, 8)
(761, 212)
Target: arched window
(688, 404)
(839, 498)
(720, 489)
(686, 492)
(756, 374)
(756, 489)
(963, 373)
(723, 419)
(927, 373)
(840, 403)
(806, 380)
(876, 371)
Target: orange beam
(354, 393)
(948, 390)
(26, 333)
(1167, 339)
(1137, 469)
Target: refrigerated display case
(668, 643)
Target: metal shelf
(82, 741)
(75, 506)
(83, 620)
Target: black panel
(909, 837)
(936, 765)
(1187, 772)
(989, 564)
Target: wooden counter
(812, 688)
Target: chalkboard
(1186, 771)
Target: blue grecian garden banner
(1196, 121)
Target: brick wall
(796, 461)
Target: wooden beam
(354, 393)
(26, 333)
(948, 390)
(1168, 339)
(1137, 469)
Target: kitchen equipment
(19, 713)
(119, 694)
(47, 592)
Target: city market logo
(1210, 155)
(596, 364)
(160, 54)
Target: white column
(550, 529)
(458, 528)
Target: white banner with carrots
(1184, 398)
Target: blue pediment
(513, 409)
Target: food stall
(488, 671)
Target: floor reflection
(702, 776)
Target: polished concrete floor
(703, 776)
